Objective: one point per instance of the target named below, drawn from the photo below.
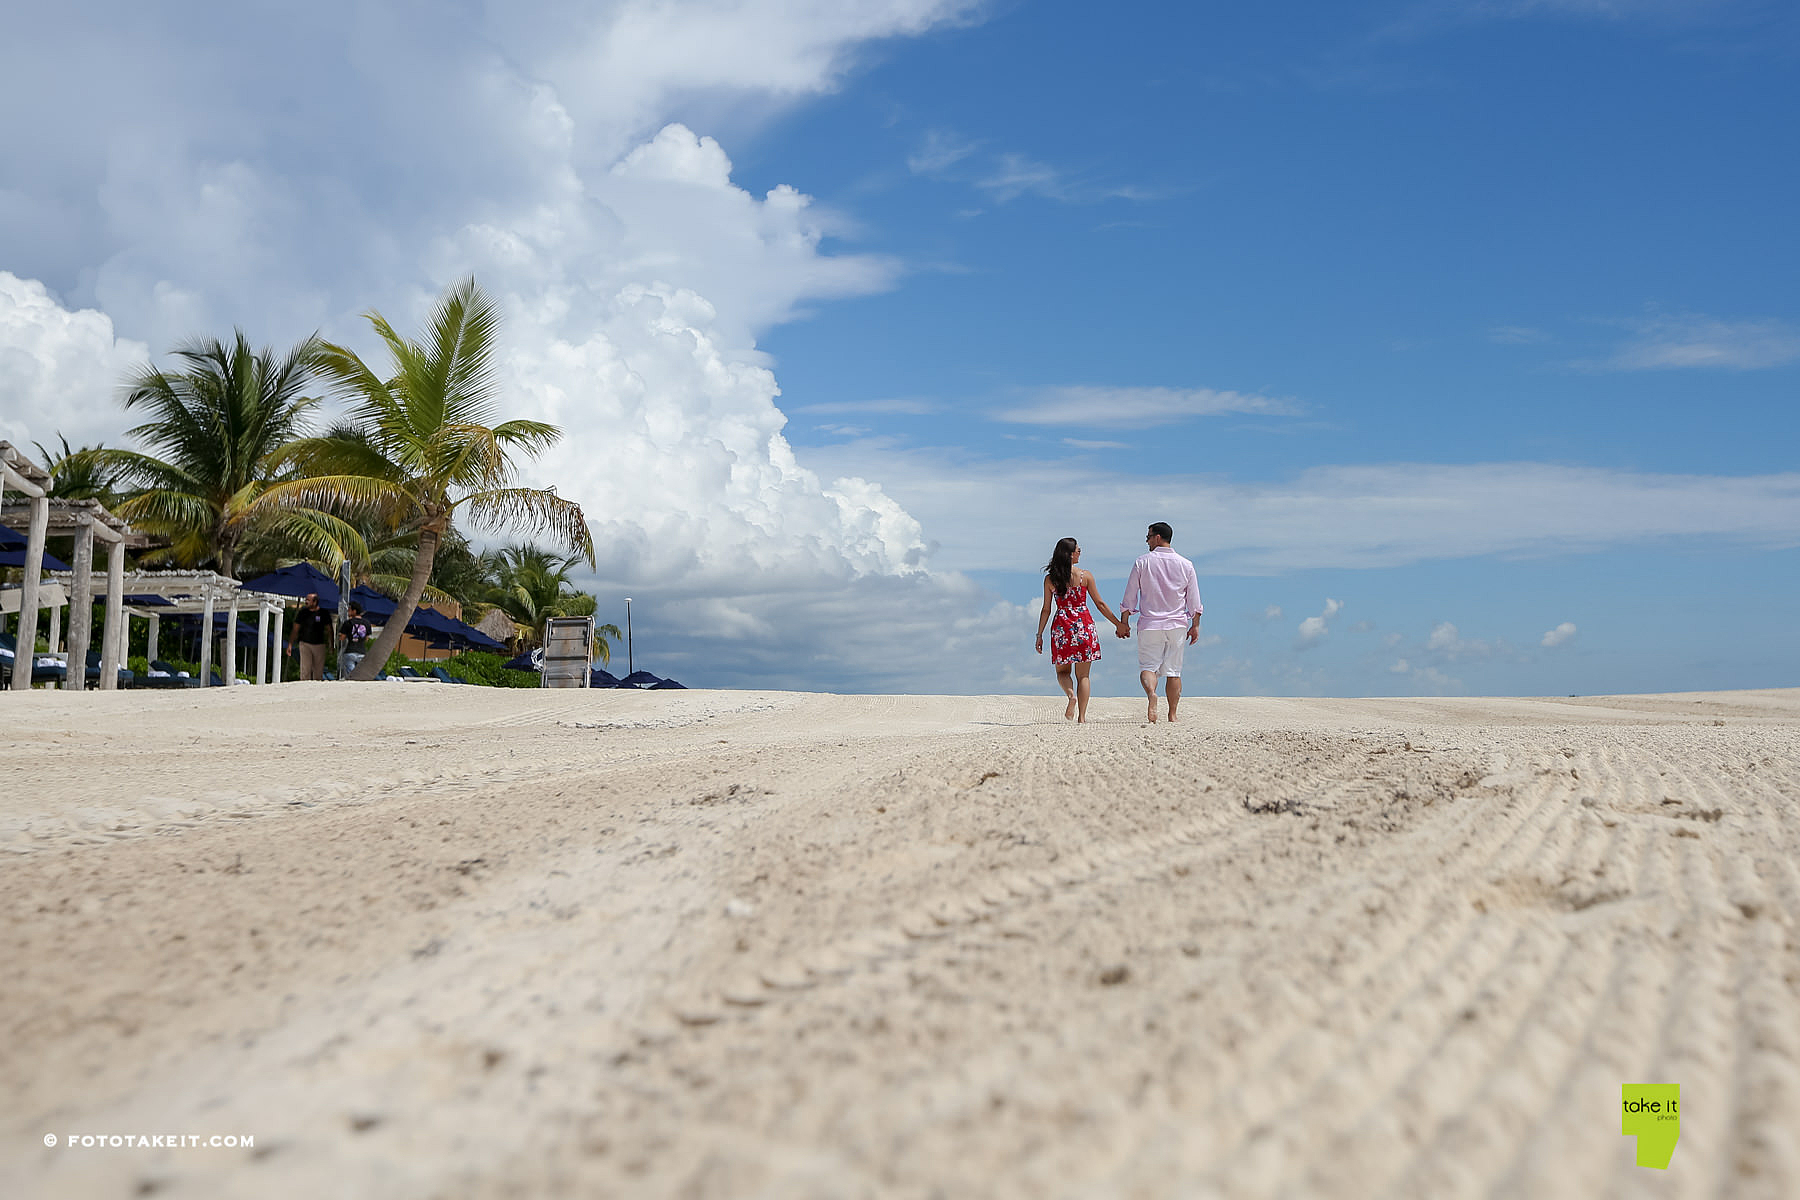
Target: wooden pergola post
(155, 629)
(12, 476)
(81, 608)
(112, 633)
(280, 617)
(206, 639)
(228, 651)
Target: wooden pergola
(88, 521)
(179, 592)
(204, 593)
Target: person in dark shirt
(311, 625)
(355, 631)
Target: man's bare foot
(1152, 714)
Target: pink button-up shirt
(1163, 590)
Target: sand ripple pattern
(712, 944)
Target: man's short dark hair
(356, 608)
(1161, 529)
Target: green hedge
(489, 670)
(478, 667)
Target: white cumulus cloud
(59, 369)
(1446, 640)
(574, 160)
(1314, 628)
(1559, 635)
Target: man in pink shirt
(1165, 593)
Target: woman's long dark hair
(1061, 565)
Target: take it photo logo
(1651, 1111)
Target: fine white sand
(441, 941)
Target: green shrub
(477, 667)
(489, 670)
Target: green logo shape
(1652, 1111)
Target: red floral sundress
(1072, 636)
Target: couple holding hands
(1162, 591)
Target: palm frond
(386, 502)
(144, 471)
(391, 585)
(161, 511)
(343, 450)
(372, 400)
(533, 437)
(320, 536)
(533, 508)
(462, 340)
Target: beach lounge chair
(45, 668)
(162, 675)
(126, 678)
(410, 673)
(443, 676)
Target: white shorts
(1160, 650)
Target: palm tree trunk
(391, 633)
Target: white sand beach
(444, 941)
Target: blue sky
(1458, 341)
(1471, 240)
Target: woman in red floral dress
(1074, 646)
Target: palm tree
(459, 573)
(419, 445)
(534, 586)
(387, 565)
(80, 474)
(214, 444)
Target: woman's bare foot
(1069, 712)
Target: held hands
(1122, 628)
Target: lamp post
(630, 666)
